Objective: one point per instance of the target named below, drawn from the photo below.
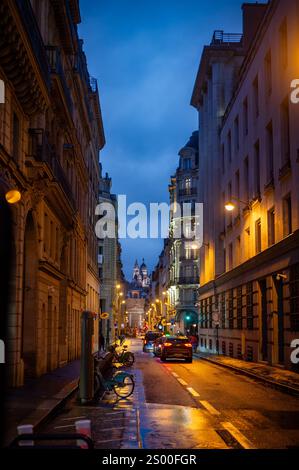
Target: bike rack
(51, 437)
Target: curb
(50, 412)
(277, 385)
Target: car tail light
(167, 344)
(189, 345)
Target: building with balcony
(110, 266)
(183, 251)
(51, 132)
(250, 272)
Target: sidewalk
(284, 380)
(32, 403)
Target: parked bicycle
(121, 382)
(125, 357)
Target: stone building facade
(250, 271)
(183, 251)
(51, 132)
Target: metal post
(86, 387)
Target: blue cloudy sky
(145, 55)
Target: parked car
(158, 345)
(149, 339)
(176, 347)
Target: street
(180, 405)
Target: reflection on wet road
(198, 405)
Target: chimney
(253, 14)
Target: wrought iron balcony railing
(188, 192)
(42, 151)
(187, 280)
(220, 37)
(54, 57)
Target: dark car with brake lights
(149, 339)
(176, 347)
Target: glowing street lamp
(13, 196)
(229, 206)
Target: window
(237, 185)
(246, 179)
(16, 137)
(258, 236)
(285, 131)
(247, 243)
(231, 309)
(269, 152)
(236, 134)
(187, 163)
(249, 305)
(239, 308)
(222, 310)
(257, 176)
(271, 226)
(287, 215)
(238, 250)
(294, 297)
(188, 185)
(283, 44)
(245, 116)
(230, 256)
(229, 146)
(268, 74)
(223, 158)
(255, 87)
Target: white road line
(65, 426)
(111, 429)
(210, 408)
(73, 417)
(110, 440)
(245, 443)
(182, 382)
(193, 392)
(174, 374)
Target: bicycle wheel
(129, 359)
(125, 388)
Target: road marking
(110, 440)
(193, 392)
(112, 429)
(65, 426)
(182, 382)
(245, 443)
(174, 374)
(209, 407)
(73, 417)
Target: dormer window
(187, 163)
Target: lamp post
(230, 205)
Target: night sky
(145, 55)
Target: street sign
(104, 315)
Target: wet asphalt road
(180, 405)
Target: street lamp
(230, 205)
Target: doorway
(29, 347)
(264, 320)
(280, 320)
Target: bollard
(86, 387)
(25, 429)
(83, 427)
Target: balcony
(27, 71)
(32, 29)
(188, 192)
(220, 37)
(42, 152)
(54, 58)
(285, 170)
(194, 280)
